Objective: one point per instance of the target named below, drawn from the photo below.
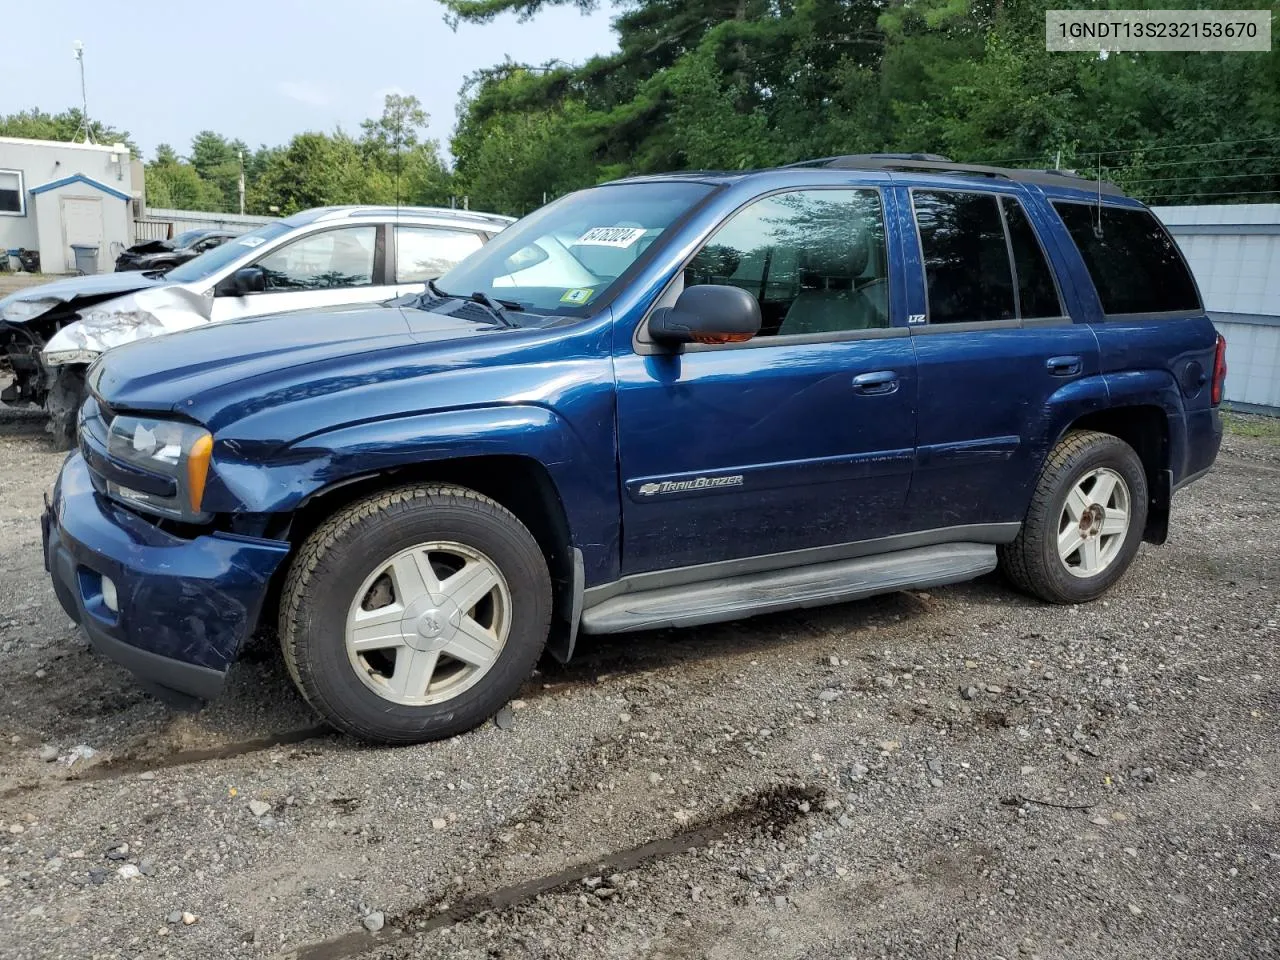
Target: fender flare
(313, 465)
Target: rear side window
(1134, 263)
(1037, 293)
(966, 259)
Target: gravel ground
(959, 773)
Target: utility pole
(240, 154)
(78, 47)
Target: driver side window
(322, 261)
(814, 260)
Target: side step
(813, 585)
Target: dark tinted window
(10, 191)
(1037, 295)
(814, 259)
(966, 260)
(1134, 263)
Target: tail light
(1219, 371)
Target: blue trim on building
(79, 178)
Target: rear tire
(415, 614)
(1085, 522)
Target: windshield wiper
(497, 308)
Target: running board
(711, 601)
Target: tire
(1079, 466)
(335, 575)
(62, 404)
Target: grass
(1252, 425)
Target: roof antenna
(1097, 226)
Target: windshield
(570, 254)
(186, 239)
(211, 261)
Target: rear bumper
(184, 607)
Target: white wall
(42, 161)
(1234, 251)
(56, 255)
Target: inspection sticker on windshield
(251, 241)
(579, 295)
(610, 237)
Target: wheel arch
(518, 482)
(1146, 428)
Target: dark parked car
(660, 402)
(167, 254)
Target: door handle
(1063, 366)
(875, 384)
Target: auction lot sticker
(1191, 31)
(610, 237)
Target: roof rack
(933, 163)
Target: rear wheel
(415, 614)
(1085, 521)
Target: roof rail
(357, 210)
(932, 163)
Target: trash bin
(15, 264)
(86, 257)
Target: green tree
(36, 124)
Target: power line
(1206, 176)
(1190, 163)
(1090, 154)
(1237, 193)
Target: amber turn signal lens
(198, 470)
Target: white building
(1234, 251)
(54, 195)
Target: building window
(13, 197)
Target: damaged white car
(319, 258)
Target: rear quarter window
(1134, 263)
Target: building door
(82, 225)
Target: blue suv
(665, 401)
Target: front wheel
(1085, 521)
(415, 614)
(62, 404)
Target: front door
(997, 345)
(801, 437)
(328, 268)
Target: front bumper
(185, 606)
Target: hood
(263, 361)
(77, 292)
(151, 246)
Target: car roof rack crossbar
(933, 163)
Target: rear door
(325, 268)
(802, 437)
(993, 344)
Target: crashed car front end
(25, 325)
(147, 313)
(51, 339)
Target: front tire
(414, 614)
(62, 404)
(1085, 522)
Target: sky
(265, 70)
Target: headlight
(168, 449)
